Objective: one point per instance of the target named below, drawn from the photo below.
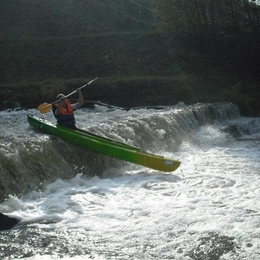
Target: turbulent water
(75, 204)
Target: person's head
(62, 97)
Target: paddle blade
(44, 108)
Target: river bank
(138, 63)
(130, 92)
(134, 69)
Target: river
(75, 204)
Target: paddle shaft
(46, 107)
(75, 91)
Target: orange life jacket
(66, 117)
(68, 110)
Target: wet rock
(232, 130)
(213, 246)
(4, 105)
(7, 222)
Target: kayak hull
(105, 146)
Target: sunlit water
(209, 208)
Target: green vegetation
(52, 46)
(229, 30)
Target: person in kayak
(64, 110)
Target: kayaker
(64, 110)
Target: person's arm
(81, 100)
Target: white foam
(145, 214)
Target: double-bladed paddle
(46, 107)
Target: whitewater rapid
(207, 209)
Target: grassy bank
(137, 63)
(134, 91)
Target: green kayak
(105, 146)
